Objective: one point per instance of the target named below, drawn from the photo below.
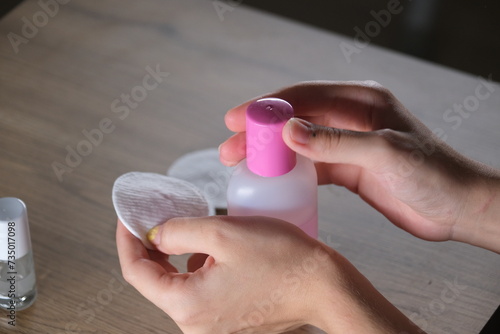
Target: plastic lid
(14, 230)
(267, 153)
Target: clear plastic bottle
(273, 180)
(17, 271)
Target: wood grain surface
(83, 73)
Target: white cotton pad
(204, 169)
(145, 200)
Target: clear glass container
(17, 270)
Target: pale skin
(253, 282)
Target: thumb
(183, 235)
(332, 145)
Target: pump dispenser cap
(267, 153)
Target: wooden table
(148, 81)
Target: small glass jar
(17, 270)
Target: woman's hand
(262, 275)
(364, 139)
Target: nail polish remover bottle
(273, 180)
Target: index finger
(146, 275)
(346, 105)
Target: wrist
(480, 222)
(349, 303)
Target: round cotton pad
(204, 169)
(145, 200)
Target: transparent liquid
(25, 283)
(292, 197)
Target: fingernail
(224, 161)
(153, 235)
(300, 130)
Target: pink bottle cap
(267, 153)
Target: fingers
(146, 275)
(330, 145)
(233, 150)
(235, 117)
(204, 235)
(352, 104)
(345, 175)
(128, 245)
(347, 105)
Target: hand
(364, 139)
(262, 275)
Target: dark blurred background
(7, 5)
(461, 34)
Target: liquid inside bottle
(17, 283)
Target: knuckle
(129, 275)
(393, 140)
(384, 93)
(184, 318)
(217, 235)
(373, 84)
(333, 136)
(189, 316)
(389, 136)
